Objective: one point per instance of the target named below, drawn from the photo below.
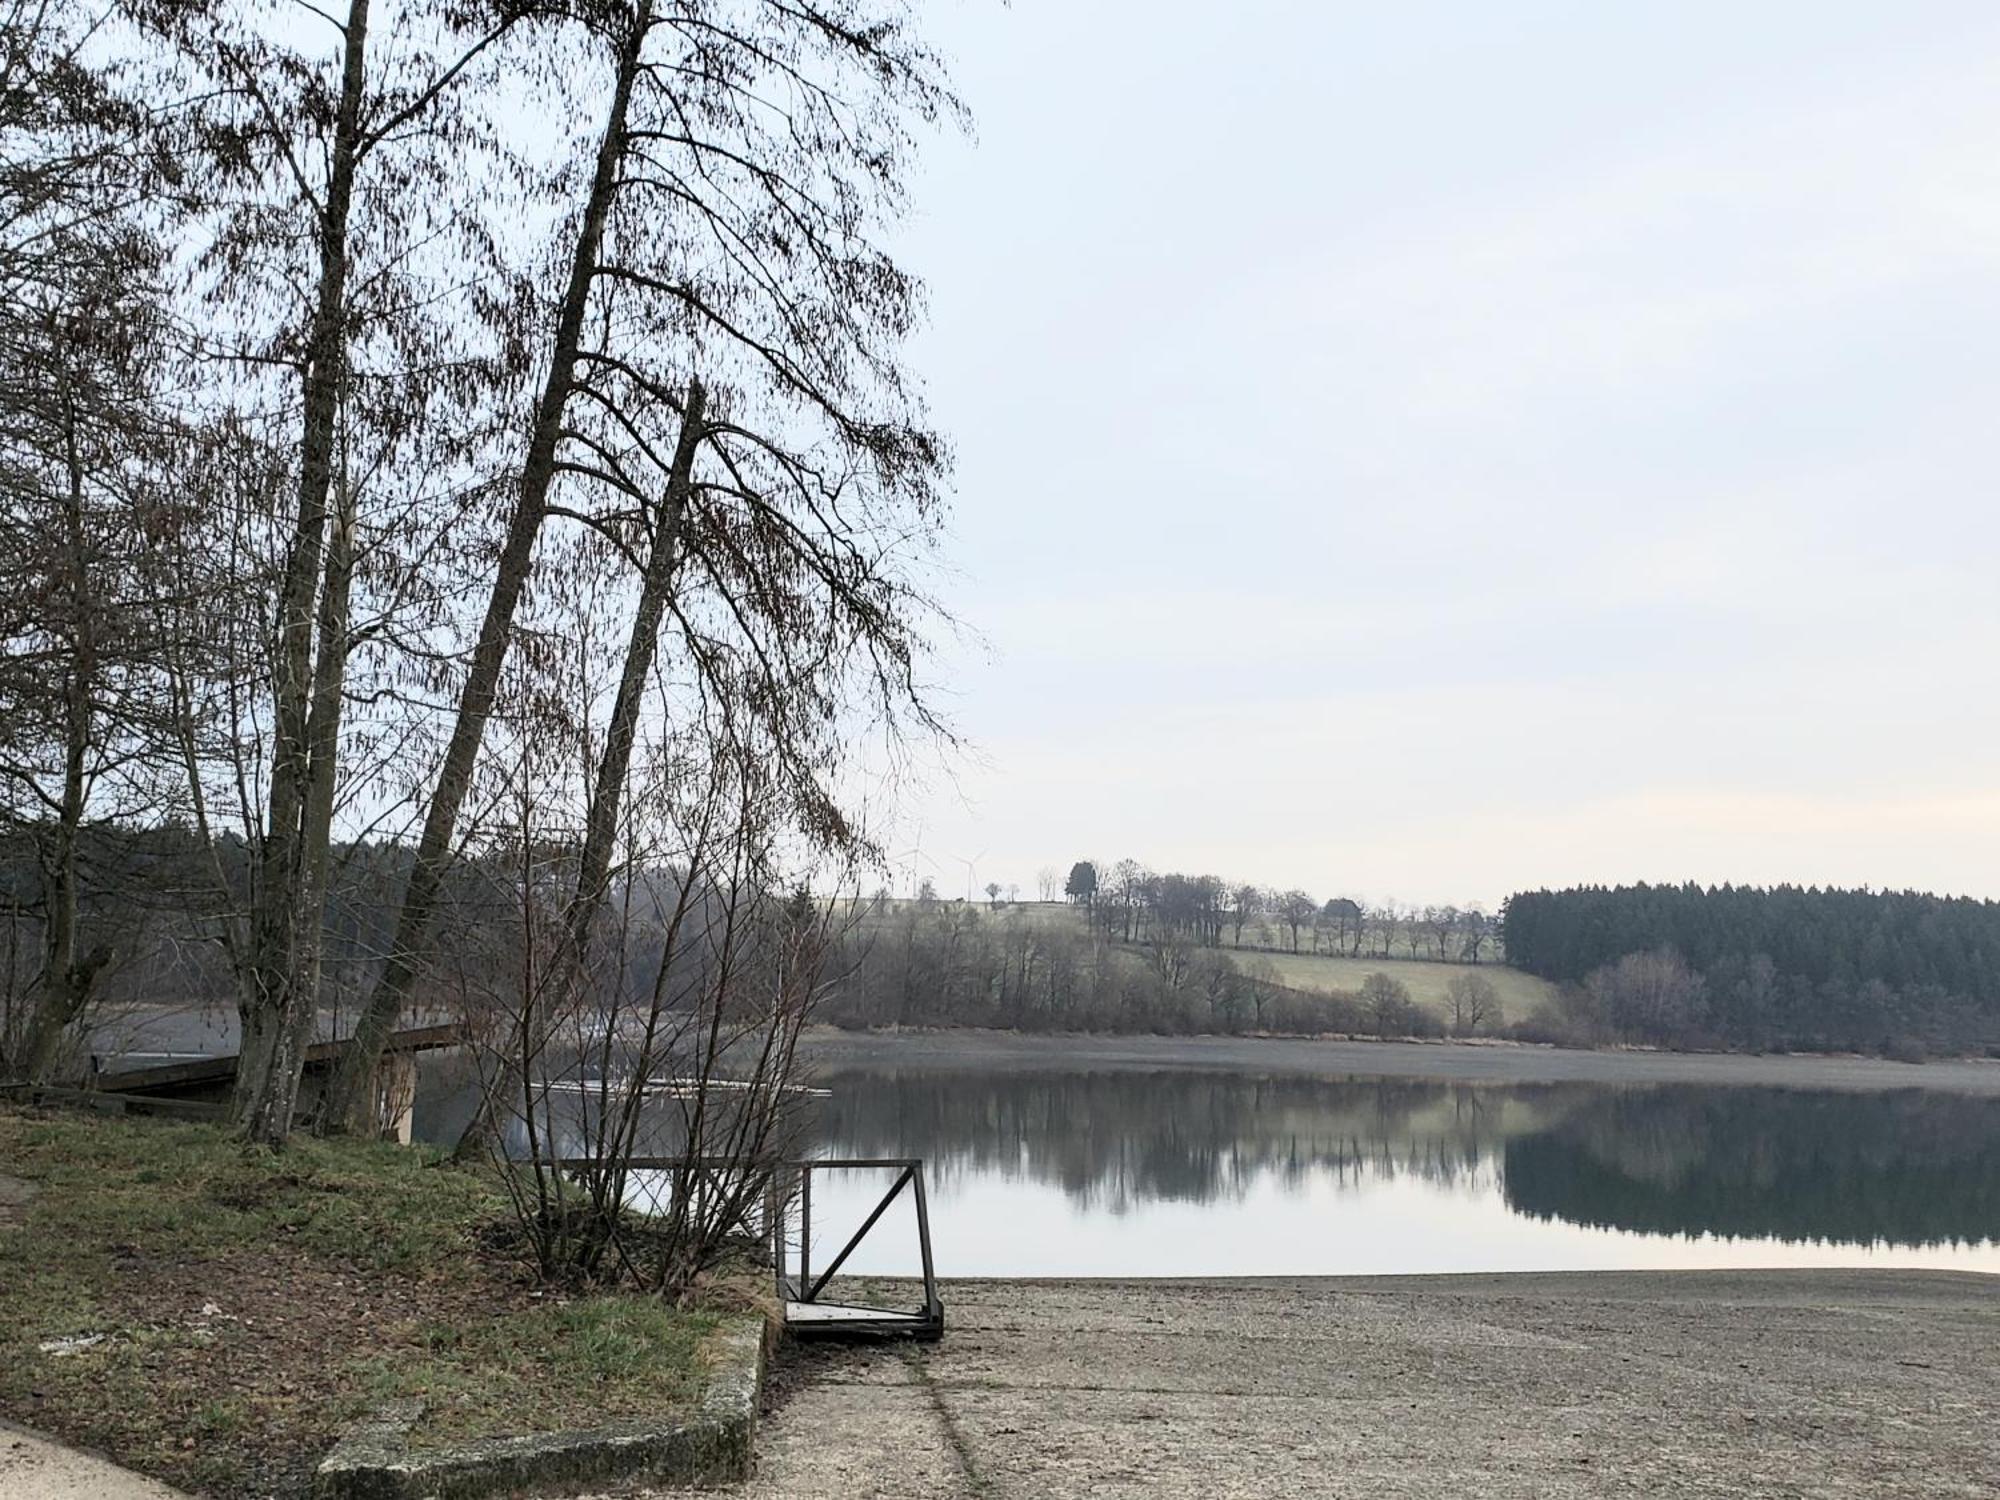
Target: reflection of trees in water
(1908, 1168)
(1111, 1139)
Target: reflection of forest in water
(1908, 1168)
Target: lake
(1072, 1172)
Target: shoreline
(1446, 1061)
(1874, 1385)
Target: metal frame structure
(805, 1313)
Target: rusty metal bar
(813, 1291)
(932, 1307)
(806, 1229)
(863, 1161)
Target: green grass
(255, 1303)
(1520, 994)
(191, 1188)
(607, 1357)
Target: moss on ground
(251, 1304)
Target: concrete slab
(33, 1467)
(856, 1425)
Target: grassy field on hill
(1520, 994)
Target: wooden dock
(199, 1087)
(198, 1075)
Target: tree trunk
(274, 1012)
(65, 983)
(607, 791)
(267, 1114)
(607, 794)
(350, 1103)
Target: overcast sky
(1432, 449)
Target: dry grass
(251, 1304)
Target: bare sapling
(648, 1095)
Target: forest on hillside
(1790, 967)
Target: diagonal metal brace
(902, 1181)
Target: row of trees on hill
(1133, 904)
(936, 963)
(479, 427)
(1897, 972)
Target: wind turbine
(910, 857)
(971, 866)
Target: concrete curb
(374, 1462)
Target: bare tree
(1246, 905)
(1652, 996)
(86, 445)
(652, 1106)
(1360, 920)
(1474, 1003)
(330, 185)
(1388, 927)
(1171, 955)
(1295, 908)
(1442, 922)
(1387, 1001)
(1476, 931)
(742, 160)
(1340, 916)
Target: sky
(1431, 450)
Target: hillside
(959, 937)
(1520, 994)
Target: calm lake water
(1150, 1173)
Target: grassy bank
(230, 1311)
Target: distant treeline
(1896, 972)
(929, 962)
(1137, 905)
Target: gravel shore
(1768, 1383)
